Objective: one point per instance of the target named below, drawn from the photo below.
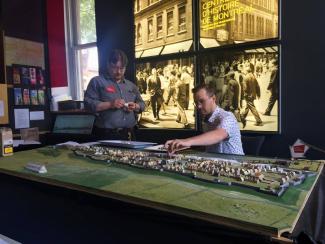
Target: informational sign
(224, 22)
(21, 118)
(217, 13)
(36, 115)
(298, 149)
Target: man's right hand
(177, 144)
(118, 103)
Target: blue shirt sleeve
(91, 97)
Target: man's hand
(133, 106)
(174, 145)
(118, 103)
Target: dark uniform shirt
(103, 89)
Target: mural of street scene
(237, 21)
(247, 84)
(162, 27)
(166, 86)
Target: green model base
(232, 202)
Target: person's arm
(205, 139)
(91, 97)
(224, 131)
(117, 103)
(93, 101)
(208, 138)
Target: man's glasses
(201, 102)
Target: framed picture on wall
(162, 27)
(29, 85)
(26, 97)
(16, 74)
(40, 76)
(41, 96)
(25, 75)
(32, 75)
(234, 22)
(165, 86)
(247, 83)
(33, 97)
(18, 98)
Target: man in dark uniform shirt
(115, 100)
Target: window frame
(181, 25)
(159, 26)
(73, 49)
(170, 29)
(150, 36)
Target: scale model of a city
(267, 177)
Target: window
(82, 57)
(181, 19)
(260, 26)
(159, 26)
(137, 5)
(268, 27)
(150, 2)
(139, 34)
(250, 24)
(163, 30)
(150, 29)
(170, 23)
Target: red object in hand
(110, 89)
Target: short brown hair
(209, 89)
(117, 55)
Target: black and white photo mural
(162, 27)
(166, 86)
(247, 84)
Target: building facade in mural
(162, 27)
(237, 21)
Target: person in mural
(114, 99)
(164, 87)
(230, 100)
(171, 87)
(221, 131)
(251, 90)
(209, 78)
(155, 91)
(186, 78)
(220, 81)
(141, 82)
(181, 98)
(273, 87)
